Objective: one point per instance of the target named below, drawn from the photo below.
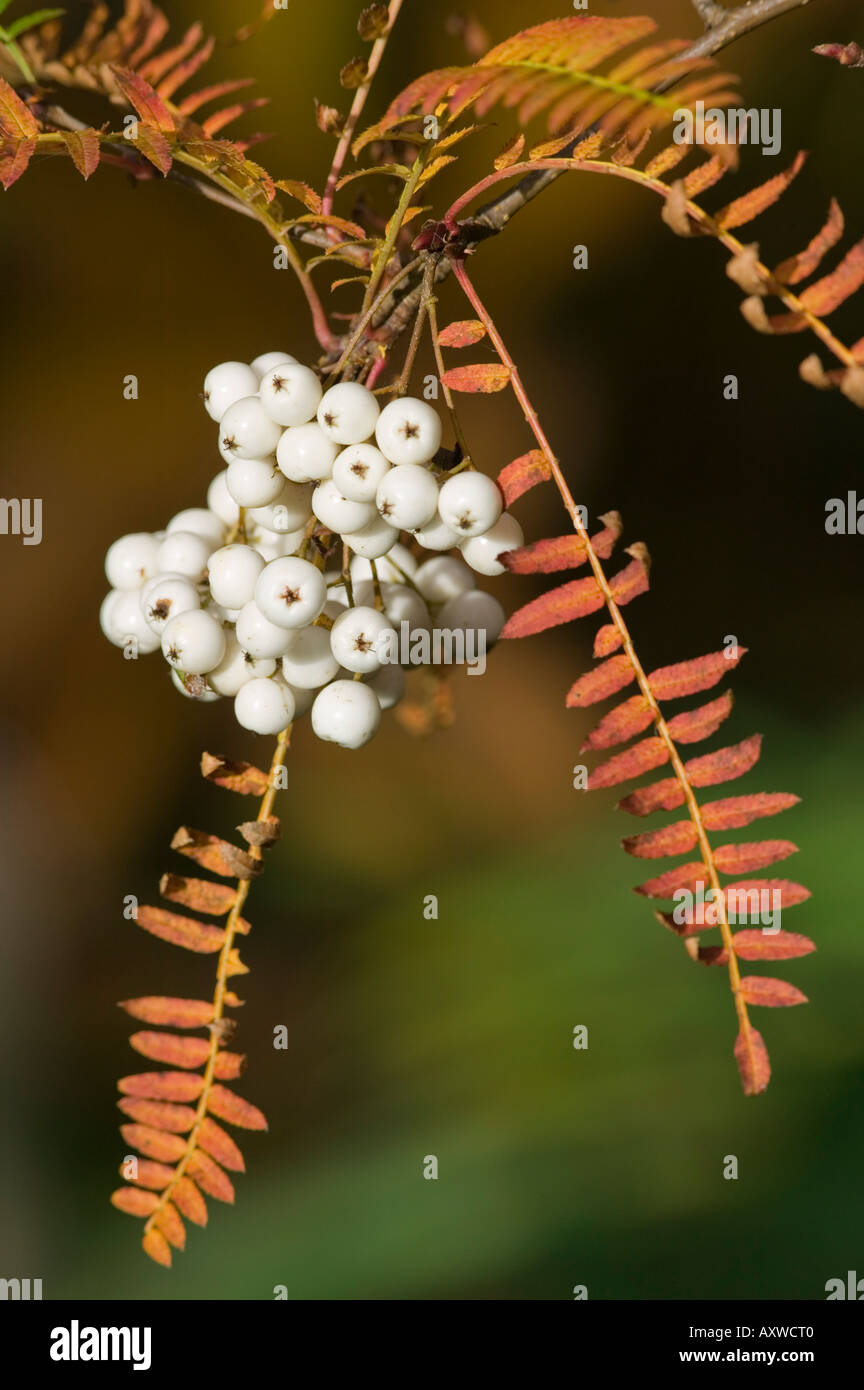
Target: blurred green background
(410, 1037)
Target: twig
(357, 109)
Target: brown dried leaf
(373, 23)
(261, 833)
(180, 931)
(312, 200)
(214, 854)
(674, 210)
(354, 74)
(745, 269)
(201, 894)
(511, 153)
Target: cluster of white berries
(237, 594)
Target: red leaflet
(658, 844)
(133, 1201)
(462, 334)
(189, 1201)
(754, 1064)
(733, 812)
(177, 1013)
(649, 753)
(15, 155)
(150, 1174)
(726, 764)
(210, 1176)
(622, 722)
(632, 581)
(214, 1140)
(180, 931)
(684, 877)
(746, 859)
(171, 1048)
(154, 147)
(522, 474)
(563, 552)
(83, 147)
(156, 1246)
(178, 1119)
(774, 994)
(696, 724)
(482, 377)
(562, 605)
(607, 640)
(744, 897)
(214, 854)
(826, 294)
(167, 1218)
(142, 97)
(162, 1085)
(689, 677)
(753, 944)
(236, 1111)
(229, 1065)
(744, 209)
(797, 268)
(601, 681)
(166, 1148)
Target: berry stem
(217, 1025)
(693, 807)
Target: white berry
(482, 552)
(133, 559)
(164, 597)
(233, 571)
(388, 684)
(360, 638)
(123, 623)
(220, 501)
(407, 496)
(193, 642)
(264, 706)
(257, 635)
(268, 360)
(408, 431)
(474, 609)
(290, 394)
(442, 577)
(271, 545)
(309, 661)
(290, 592)
(347, 713)
(374, 540)
(338, 513)
(348, 413)
(358, 470)
(184, 552)
(237, 667)
(437, 535)
(200, 520)
(289, 512)
(399, 558)
(305, 454)
(225, 385)
(470, 503)
(254, 482)
(246, 431)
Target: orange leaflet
(522, 474)
(156, 1246)
(189, 1201)
(774, 994)
(461, 334)
(162, 1085)
(733, 812)
(180, 931)
(754, 1064)
(240, 777)
(601, 681)
(693, 725)
(166, 1148)
(201, 894)
(210, 1176)
(659, 844)
(483, 377)
(754, 944)
(649, 753)
(178, 1119)
(747, 858)
(171, 1048)
(747, 207)
(219, 1145)
(622, 722)
(232, 1108)
(134, 1201)
(214, 854)
(689, 677)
